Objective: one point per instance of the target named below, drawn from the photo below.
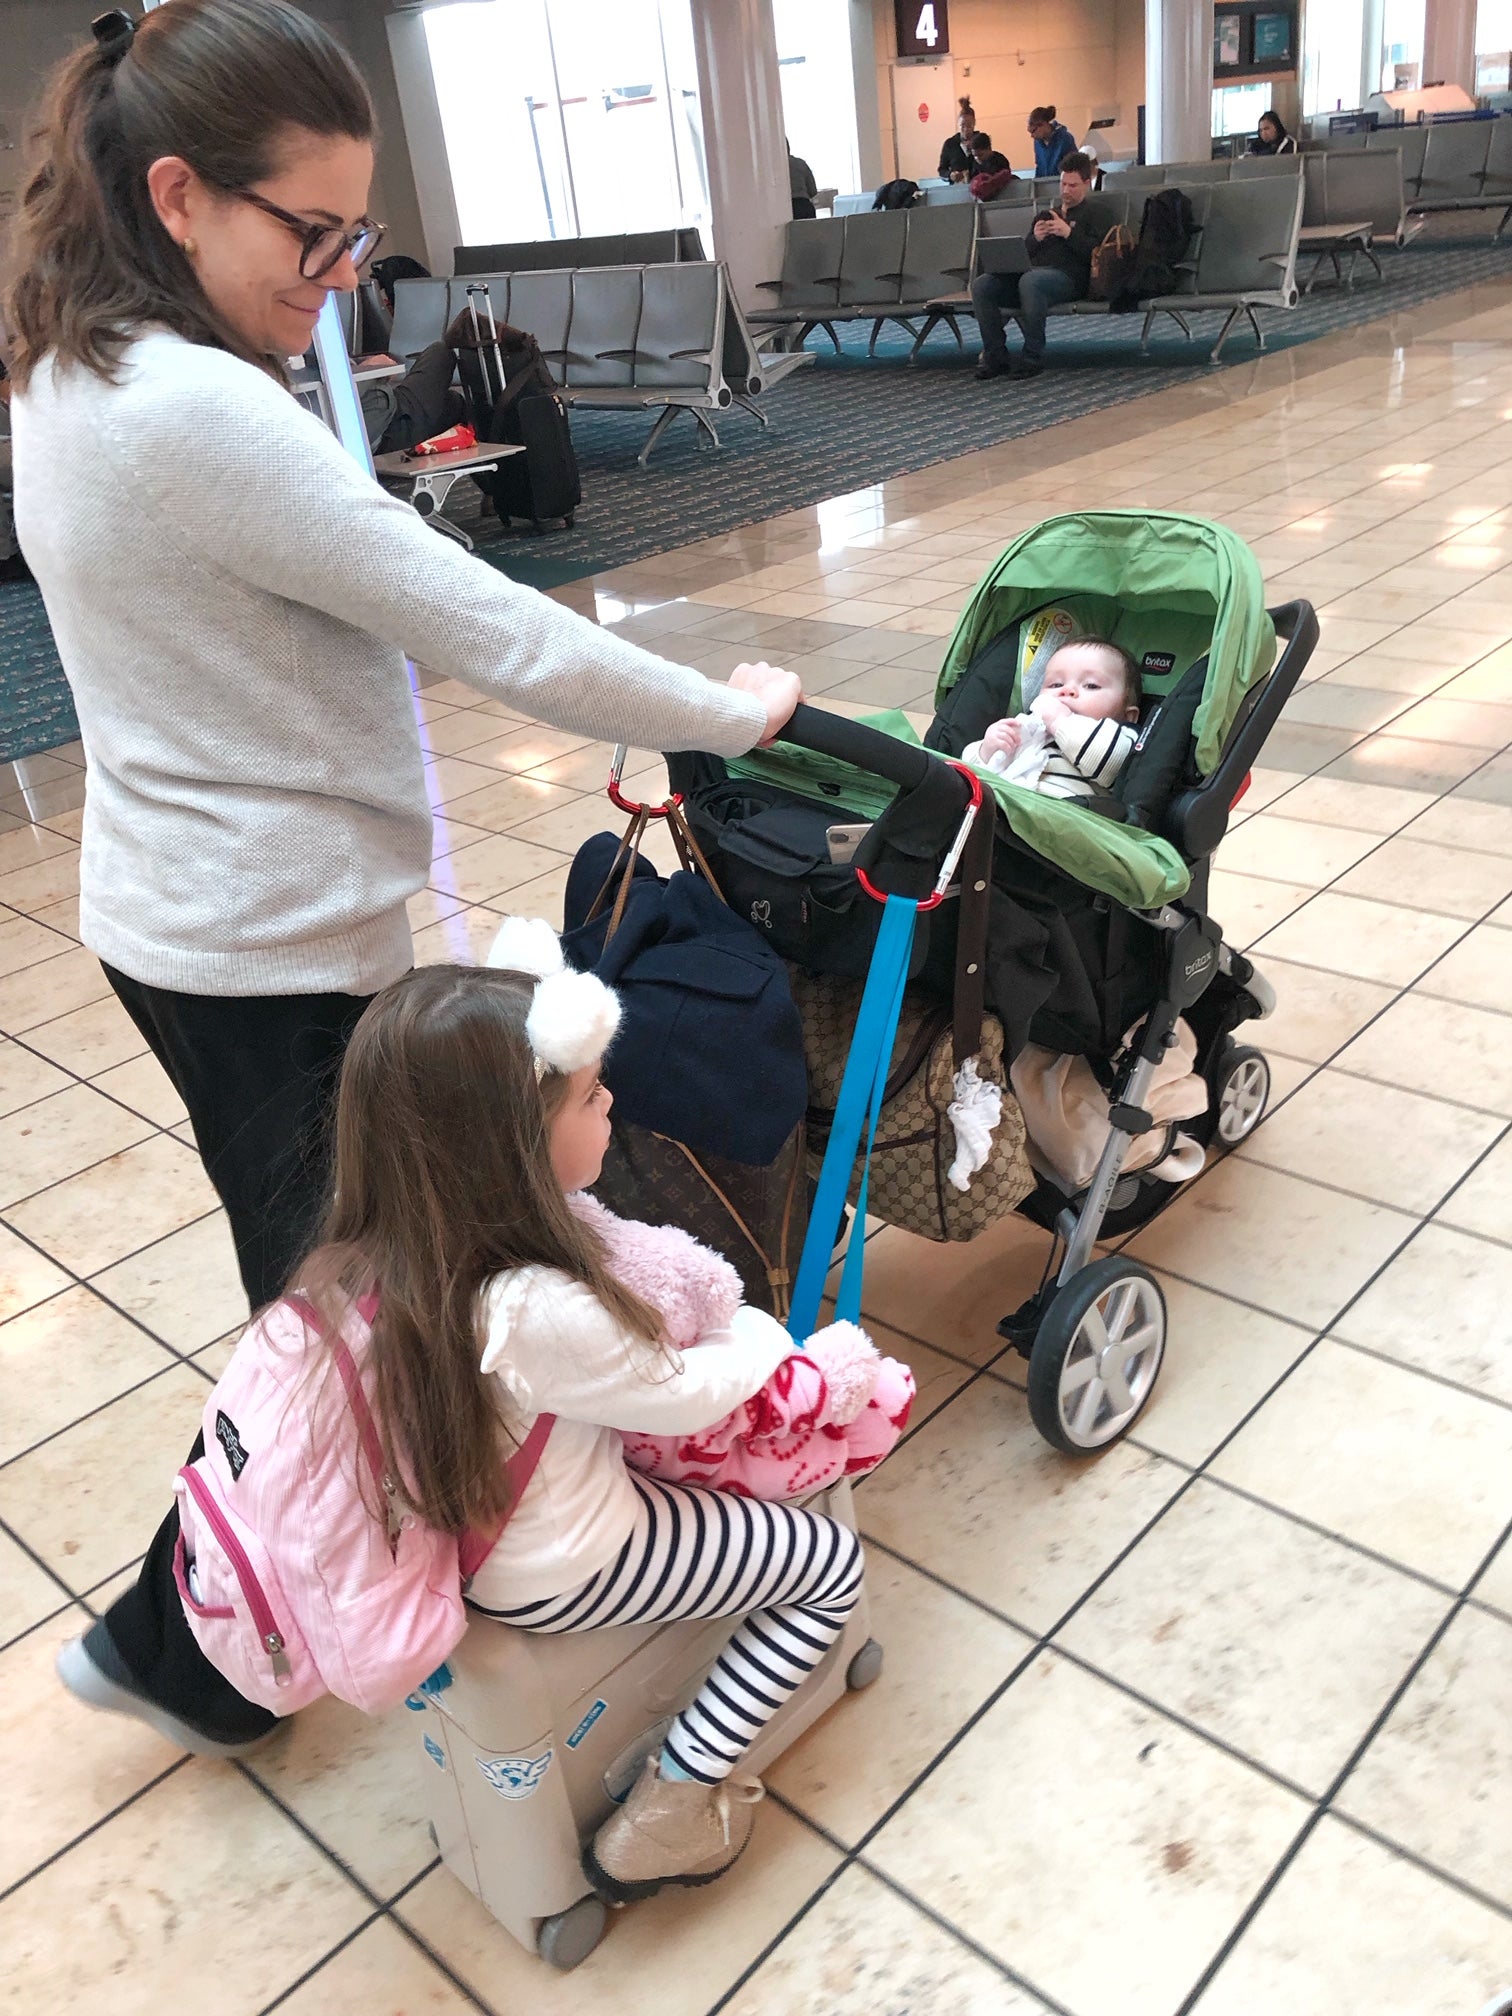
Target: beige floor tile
(543, 896)
(567, 825)
(1495, 1586)
(136, 1197)
(865, 1951)
(905, 1718)
(1443, 1274)
(978, 1498)
(1376, 1141)
(146, 1088)
(1466, 822)
(1440, 1047)
(24, 942)
(1416, 1471)
(462, 939)
(56, 987)
(22, 847)
(354, 1780)
(1247, 906)
(1478, 970)
(91, 1498)
(714, 1933)
(1352, 1927)
(25, 1077)
(59, 1136)
(27, 1593)
(505, 802)
(67, 1767)
(1438, 1778)
(1281, 1643)
(998, 1840)
(1272, 1239)
(185, 1288)
(953, 1295)
(62, 917)
(26, 1276)
(63, 1359)
(1316, 1011)
(1483, 1202)
(43, 883)
(201, 1880)
(1425, 876)
(429, 906)
(1293, 850)
(1473, 724)
(489, 867)
(1367, 808)
(1221, 1359)
(1368, 940)
(89, 1039)
(382, 1974)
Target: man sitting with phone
(1060, 244)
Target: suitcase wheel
(565, 1940)
(865, 1667)
(570, 520)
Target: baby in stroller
(1081, 724)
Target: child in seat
(1079, 729)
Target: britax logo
(1195, 966)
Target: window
(1493, 46)
(1334, 35)
(818, 88)
(1401, 45)
(1237, 107)
(594, 128)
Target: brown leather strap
(971, 939)
(778, 1279)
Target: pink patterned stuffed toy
(832, 1410)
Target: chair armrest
(770, 286)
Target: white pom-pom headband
(574, 1016)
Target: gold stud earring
(191, 250)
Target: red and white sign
(923, 115)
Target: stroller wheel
(1096, 1355)
(565, 1940)
(1238, 1089)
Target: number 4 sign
(923, 27)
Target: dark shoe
(992, 367)
(1025, 367)
(94, 1672)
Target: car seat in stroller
(1098, 922)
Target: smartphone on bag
(844, 840)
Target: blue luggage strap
(860, 1103)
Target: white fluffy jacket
(233, 599)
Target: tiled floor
(1221, 1720)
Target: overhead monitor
(923, 27)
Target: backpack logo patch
(231, 1442)
(516, 1777)
(761, 913)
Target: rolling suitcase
(522, 408)
(527, 1741)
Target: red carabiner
(617, 797)
(952, 858)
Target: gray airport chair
(1246, 257)
(678, 349)
(606, 312)
(808, 292)
(540, 304)
(420, 317)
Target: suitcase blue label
(586, 1724)
(516, 1777)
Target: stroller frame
(1094, 1332)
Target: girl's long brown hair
(442, 1180)
(224, 84)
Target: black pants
(425, 400)
(257, 1075)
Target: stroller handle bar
(864, 748)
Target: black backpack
(1166, 231)
(897, 195)
(524, 411)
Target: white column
(1449, 43)
(740, 95)
(1178, 80)
(426, 139)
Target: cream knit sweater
(233, 600)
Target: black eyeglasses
(321, 245)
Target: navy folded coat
(710, 1045)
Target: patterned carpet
(843, 423)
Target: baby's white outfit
(1074, 759)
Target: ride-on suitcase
(527, 1741)
(543, 482)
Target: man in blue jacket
(1052, 141)
(1059, 248)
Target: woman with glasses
(233, 600)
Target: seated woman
(1271, 137)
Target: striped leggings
(792, 1576)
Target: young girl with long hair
(469, 1110)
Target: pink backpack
(291, 1586)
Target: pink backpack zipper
(272, 1639)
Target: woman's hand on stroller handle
(778, 691)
